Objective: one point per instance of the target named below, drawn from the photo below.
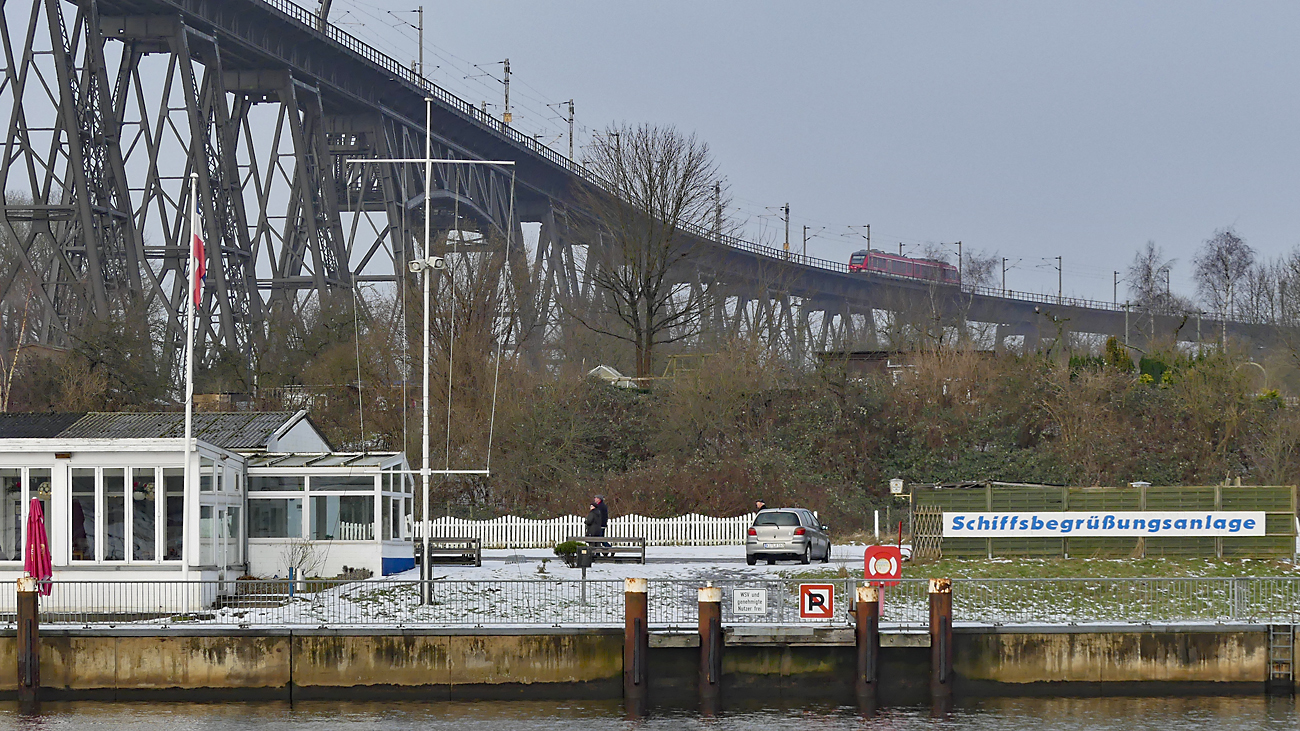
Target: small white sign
(896, 486)
(749, 601)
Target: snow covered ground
(533, 588)
(662, 562)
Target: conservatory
(263, 486)
(326, 513)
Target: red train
(874, 260)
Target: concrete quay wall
(293, 664)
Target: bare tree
(656, 184)
(1148, 277)
(980, 270)
(1224, 260)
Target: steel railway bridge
(112, 104)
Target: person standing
(760, 505)
(593, 522)
(601, 506)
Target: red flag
(200, 269)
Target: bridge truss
(110, 106)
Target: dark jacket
(593, 522)
(603, 507)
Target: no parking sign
(816, 601)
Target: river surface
(1037, 714)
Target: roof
(244, 430)
(36, 426)
(330, 459)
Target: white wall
(301, 437)
(266, 556)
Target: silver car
(789, 533)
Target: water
(1055, 714)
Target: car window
(777, 517)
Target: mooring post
(29, 642)
(636, 646)
(710, 600)
(941, 637)
(868, 640)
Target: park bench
(613, 549)
(467, 551)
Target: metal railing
(672, 602)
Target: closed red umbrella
(37, 561)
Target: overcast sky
(1030, 129)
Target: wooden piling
(29, 642)
(636, 646)
(868, 640)
(710, 612)
(941, 637)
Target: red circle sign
(882, 562)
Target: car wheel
(751, 560)
(807, 554)
(771, 562)
(827, 557)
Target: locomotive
(874, 260)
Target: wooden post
(29, 642)
(636, 646)
(941, 637)
(868, 640)
(710, 601)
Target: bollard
(941, 637)
(868, 640)
(636, 646)
(29, 642)
(710, 600)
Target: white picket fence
(513, 532)
(356, 531)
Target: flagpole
(426, 594)
(189, 380)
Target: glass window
(143, 521)
(265, 483)
(83, 514)
(174, 512)
(778, 518)
(233, 544)
(38, 483)
(114, 514)
(275, 518)
(205, 474)
(11, 514)
(388, 519)
(343, 518)
(406, 510)
(341, 482)
(207, 536)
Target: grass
(1091, 568)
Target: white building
(264, 487)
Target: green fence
(1278, 503)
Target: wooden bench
(467, 551)
(614, 549)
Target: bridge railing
(400, 70)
